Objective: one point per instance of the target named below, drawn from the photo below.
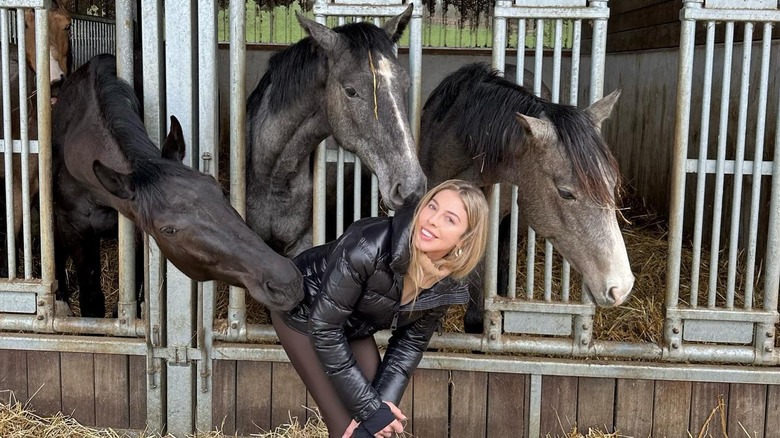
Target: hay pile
(18, 421)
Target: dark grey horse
(481, 127)
(345, 82)
(104, 162)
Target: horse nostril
(395, 192)
(615, 297)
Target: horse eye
(350, 91)
(565, 194)
(168, 231)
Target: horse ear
(395, 26)
(537, 128)
(173, 147)
(601, 109)
(118, 184)
(324, 36)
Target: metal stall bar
(517, 318)
(236, 316)
(154, 274)
(181, 327)
(25, 152)
(8, 144)
(720, 323)
(208, 140)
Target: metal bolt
(492, 322)
(234, 325)
(676, 330)
(41, 302)
(768, 348)
(674, 345)
(769, 333)
(122, 321)
(585, 326)
(39, 317)
(492, 336)
(584, 341)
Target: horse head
(197, 229)
(366, 97)
(567, 184)
(59, 40)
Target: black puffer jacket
(353, 289)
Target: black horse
(104, 162)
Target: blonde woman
(399, 273)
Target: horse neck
(280, 143)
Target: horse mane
(121, 114)
(485, 99)
(292, 71)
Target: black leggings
(303, 357)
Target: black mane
(486, 125)
(292, 71)
(119, 108)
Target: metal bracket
(181, 355)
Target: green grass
(281, 26)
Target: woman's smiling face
(441, 224)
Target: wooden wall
(105, 390)
(643, 24)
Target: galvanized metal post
(237, 301)
(181, 86)
(126, 311)
(209, 151)
(154, 305)
(673, 326)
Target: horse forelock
(592, 162)
(148, 179)
(290, 76)
(486, 105)
(293, 72)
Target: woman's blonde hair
(465, 256)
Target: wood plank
(288, 395)
(253, 397)
(407, 404)
(650, 16)
(137, 392)
(224, 401)
(772, 429)
(661, 36)
(671, 409)
(706, 416)
(595, 404)
(633, 396)
(43, 382)
(746, 409)
(623, 6)
(431, 397)
(13, 376)
(506, 413)
(112, 406)
(78, 387)
(468, 407)
(559, 405)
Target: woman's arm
(404, 352)
(348, 267)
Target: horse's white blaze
(386, 73)
(55, 72)
(620, 277)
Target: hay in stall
(17, 420)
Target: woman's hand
(350, 429)
(396, 426)
(370, 429)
